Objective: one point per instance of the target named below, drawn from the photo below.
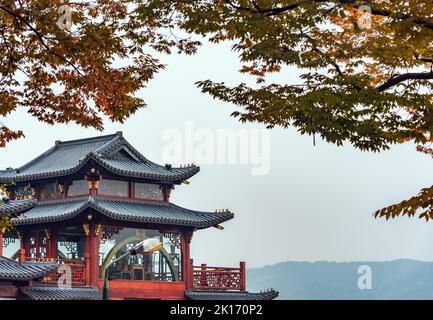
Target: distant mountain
(398, 279)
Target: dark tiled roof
(12, 207)
(70, 156)
(13, 270)
(122, 210)
(56, 293)
(230, 295)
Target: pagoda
(79, 206)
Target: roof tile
(56, 293)
(230, 295)
(13, 270)
(123, 210)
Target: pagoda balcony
(204, 277)
(201, 277)
(76, 266)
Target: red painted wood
(25, 243)
(186, 260)
(77, 269)
(52, 246)
(22, 255)
(94, 190)
(87, 268)
(124, 289)
(37, 245)
(93, 250)
(218, 278)
(190, 274)
(243, 276)
(8, 291)
(131, 190)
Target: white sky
(315, 203)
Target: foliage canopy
(366, 78)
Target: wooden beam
(138, 289)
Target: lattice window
(173, 239)
(38, 246)
(8, 240)
(78, 188)
(70, 247)
(113, 188)
(148, 191)
(50, 190)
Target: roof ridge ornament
(222, 211)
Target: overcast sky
(315, 203)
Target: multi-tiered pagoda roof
(117, 156)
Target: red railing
(218, 278)
(77, 267)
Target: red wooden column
(93, 251)
(243, 282)
(51, 244)
(186, 264)
(87, 272)
(37, 245)
(25, 244)
(22, 255)
(191, 273)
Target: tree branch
(351, 3)
(40, 37)
(271, 11)
(404, 77)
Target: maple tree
(74, 63)
(366, 69)
(366, 79)
(368, 85)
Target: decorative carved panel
(108, 232)
(148, 191)
(173, 238)
(71, 248)
(7, 240)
